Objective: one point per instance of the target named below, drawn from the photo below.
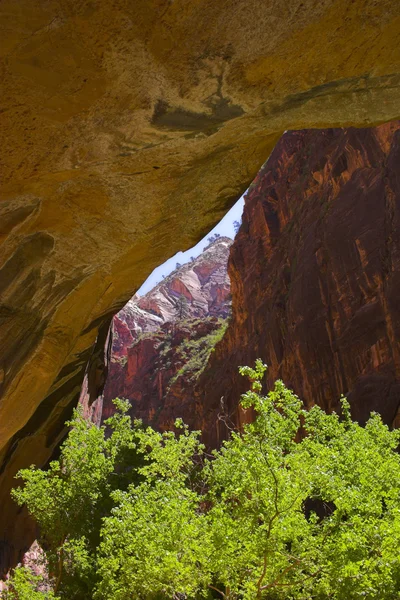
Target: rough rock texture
(127, 130)
(160, 343)
(204, 283)
(159, 372)
(315, 276)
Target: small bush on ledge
(145, 515)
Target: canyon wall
(315, 273)
(315, 276)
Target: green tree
(155, 536)
(236, 226)
(24, 585)
(213, 238)
(314, 519)
(69, 500)
(182, 307)
(299, 505)
(317, 518)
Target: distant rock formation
(162, 340)
(197, 289)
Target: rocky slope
(162, 340)
(198, 289)
(127, 131)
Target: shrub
(24, 585)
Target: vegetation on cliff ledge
(145, 515)
(195, 353)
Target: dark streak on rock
(181, 119)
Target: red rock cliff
(162, 341)
(315, 275)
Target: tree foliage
(25, 585)
(213, 238)
(299, 505)
(236, 226)
(182, 307)
(70, 499)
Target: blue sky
(224, 227)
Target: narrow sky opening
(225, 228)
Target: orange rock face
(315, 275)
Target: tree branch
(217, 590)
(299, 581)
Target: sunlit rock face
(315, 275)
(198, 289)
(128, 129)
(162, 340)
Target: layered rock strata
(315, 276)
(200, 288)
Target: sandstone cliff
(162, 341)
(159, 372)
(203, 284)
(315, 276)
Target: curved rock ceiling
(128, 129)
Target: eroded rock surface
(315, 276)
(159, 373)
(315, 273)
(128, 129)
